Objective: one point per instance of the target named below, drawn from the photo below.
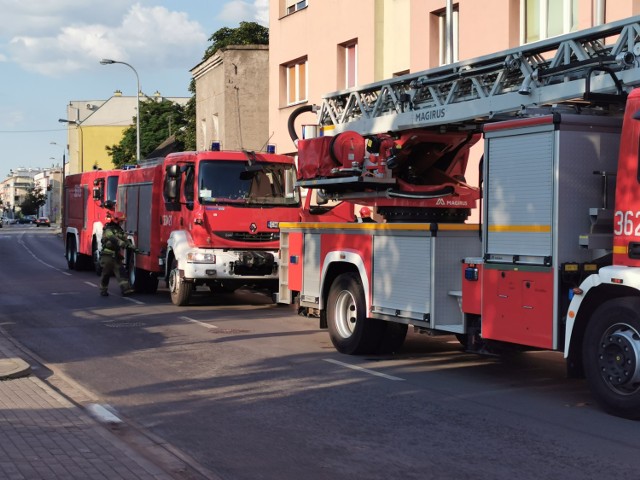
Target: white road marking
(206, 325)
(133, 300)
(361, 369)
(40, 260)
(102, 413)
(92, 284)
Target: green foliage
(34, 199)
(158, 121)
(248, 33)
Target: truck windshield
(239, 183)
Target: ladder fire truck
(554, 262)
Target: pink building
(321, 46)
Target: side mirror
(171, 189)
(173, 171)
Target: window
(296, 81)
(347, 64)
(548, 18)
(444, 43)
(292, 6)
(350, 67)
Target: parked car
(43, 222)
(27, 219)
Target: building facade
(14, 189)
(322, 46)
(95, 124)
(232, 92)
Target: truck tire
(71, 252)
(179, 289)
(350, 330)
(611, 356)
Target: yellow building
(96, 124)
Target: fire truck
(88, 198)
(208, 218)
(552, 261)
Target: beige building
(321, 46)
(232, 92)
(14, 188)
(96, 124)
(50, 183)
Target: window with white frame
(296, 79)
(292, 6)
(547, 18)
(350, 67)
(444, 42)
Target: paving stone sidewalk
(44, 436)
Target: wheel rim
(346, 314)
(619, 358)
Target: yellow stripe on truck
(520, 228)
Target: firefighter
(365, 215)
(113, 240)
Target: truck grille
(249, 237)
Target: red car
(43, 222)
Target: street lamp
(107, 61)
(79, 126)
(62, 185)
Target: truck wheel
(350, 330)
(71, 253)
(611, 355)
(179, 289)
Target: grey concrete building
(232, 98)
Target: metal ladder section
(476, 90)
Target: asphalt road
(249, 390)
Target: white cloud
(237, 11)
(146, 36)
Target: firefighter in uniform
(114, 239)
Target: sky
(50, 52)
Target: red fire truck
(553, 262)
(88, 197)
(207, 218)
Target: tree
(158, 121)
(248, 33)
(34, 199)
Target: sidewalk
(45, 436)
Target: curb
(13, 368)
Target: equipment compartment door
(517, 305)
(403, 276)
(519, 190)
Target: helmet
(365, 212)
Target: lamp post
(79, 126)
(62, 186)
(107, 61)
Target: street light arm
(108, 61)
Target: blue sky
(50, 52)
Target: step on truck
(551, 259)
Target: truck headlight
(200, 257)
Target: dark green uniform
(113, 240)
